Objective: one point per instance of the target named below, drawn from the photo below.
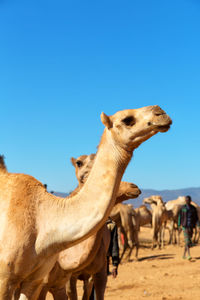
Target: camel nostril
(149, 124)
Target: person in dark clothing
(113, 250)
(188, 219)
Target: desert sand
(159, 274)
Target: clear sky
(64, 62)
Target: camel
(121, 214)
(197, 228)
(36, 225)
(142, 215)
(174, 206)
(88, 257)
(160, 215)
(129, 221)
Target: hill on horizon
(167, 195)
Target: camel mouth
(163, 128)
(135, 193)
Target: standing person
(188, 219)
(113, 250)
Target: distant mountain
(166, 194)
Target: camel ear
(73, 161)
(106, 120)
(92, 156)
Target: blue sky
(64, 62)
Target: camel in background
(160, 216)
(130, 221)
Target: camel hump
(2, 163)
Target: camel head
(129, 128)
(127, 190)
(83, 165)
(2, 163)
(154, 199)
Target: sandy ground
(159, 274)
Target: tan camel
(174, 206)
(88, 257)
(197, 228)
(36, 225)
(129, 221)
(121, 214)
(160, 215)
(140, 216)
(143, 216)
(80, 164)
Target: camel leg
(128, 256)
(154, 240)
(125, 246)
(100, 280)
(179, 233)
(120, 237)
(159, 240)
(87, 287)
(198, 233)
(175, 233)
(43, 293)
(195, 235)
(59, 294)
(162, 236)
(30, 290)
(91, 289)
(71, 288)
(7, 288)
(136, 240)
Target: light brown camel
(122, 215)
(140, 217)
(129, 221)
(174, 206)
(36, 225)
(88, 257)
(160, 215)
(143, 216)
(80, 166)
(197, 228)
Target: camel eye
(129, 121)
(79, 163)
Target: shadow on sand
(154, 257)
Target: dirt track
(159, 274)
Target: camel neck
(75, 218)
